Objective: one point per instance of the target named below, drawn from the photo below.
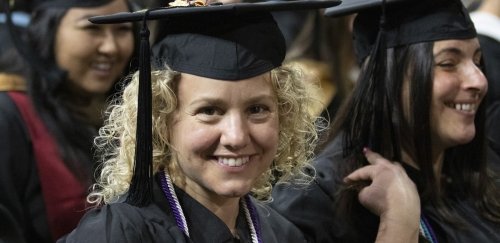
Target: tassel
(376, 93)
(141, 186)
(381, 85)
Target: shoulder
(331, 151)
(493, 135)
(326, 163)
(320, 192)
(473, 228)
(275, 227)
(310, 207)
(12, 124)
(122, 222)
(15, 145)
(8, 108)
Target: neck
(227, 212)
(490, 6)
(89, 109)
(225, 208)
(437, 163)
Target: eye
(124, 28)
(209, 111)
(478, 61)
(208, 114)
(447, 65)
(91, 27)
(258, 112)
(256, 109)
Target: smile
(102, 66)
(467, 107)
(234, 162)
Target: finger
(363, 173)
(373, 157)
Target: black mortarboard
(406, 22)
(382, 24)
(228, 42)
(227, 46)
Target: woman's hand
(392, 195)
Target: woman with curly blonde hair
(296, 136)
(228, 122)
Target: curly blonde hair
(116, 141)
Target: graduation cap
(404, 22)
(382, 24)
(219, 41)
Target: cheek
(126, 46)
(445, 87)
(192, 137)
(267, 136)
(72, 57)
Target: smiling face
(459, 87)
(93, 55)
(224, 134)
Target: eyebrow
(86, 17)
(456, 51)
(219, 101)
(452, 50)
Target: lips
(233, 161)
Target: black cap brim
(162, 13)
(354, 6)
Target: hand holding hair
(392, 195)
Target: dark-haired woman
(427, 113)
(46, 161)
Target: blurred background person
(47, 127)
(322, 47)
(12, 70)
(486, 18)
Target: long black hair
(47, 88)
(373, 116)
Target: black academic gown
(122, 222)
(491, 55)
(493, 135)
(312, 210)
(39, 192)
(20, 191)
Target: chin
(464, 139)
(239, 191)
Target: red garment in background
(64, 195)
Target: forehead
(456, 44)
(193, 86)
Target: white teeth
(464, 107)
(234, 162)
(103, 66)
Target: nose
(476, 81)
(235, 132)
(108, 44)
